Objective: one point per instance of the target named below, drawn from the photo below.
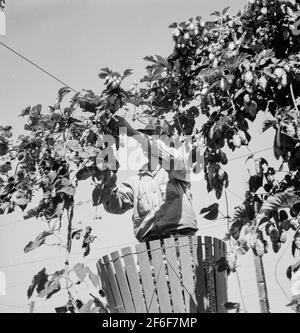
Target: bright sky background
(73, 40)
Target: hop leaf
(88, 307)
(25, 112)
(295, 301)
(242, 246)
(173, 25)
(40, 240)
(76, 233)
(94, 278)
(235, 229)
(69, 190)
(251, 108)
(97, 195)
(231, 306)
(212, 211)
(62, 92)
(73, 145)
(52, 286)
(3, 146)
(127, 73)
(81, 271)
(104, 73)
(280, 200)
(38, 282)
(268, 124)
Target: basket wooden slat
(218, 277)
(147, 278)
(174, 276)
(210, 276)
(122, 282)
(187, 275)
(106, 285)
(111, 276)
(224, 288)
(160, 277)
(133, 279)
(199, 271)
(170, 275)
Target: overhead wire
(245, 155)
(14, 306)
(58, 257)
(20, 306)
(78, 253)
(78, 204)
(236, 195)
(37, 66)
(94, 249)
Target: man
(159, 194)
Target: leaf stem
(179, 123)
(232, 104)
(70, 214)
(293, 97)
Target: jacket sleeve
(119, 199)
(177, 161)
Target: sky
(73, 40)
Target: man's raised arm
(116, 199)
(175, 159)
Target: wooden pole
(261, 285)
(31, 307)
(261, 279)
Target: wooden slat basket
(170, 275)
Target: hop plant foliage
(227, 69)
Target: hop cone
(231, 261)
(290, 130)
(259, 248)
(252, 240)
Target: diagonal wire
(236, 195)
(37, 66)
(155, 288)
(179, 278)
(245, 155)
(23, 220)
(19, 307)
(152, 297)
(11, 223)
(58, 257)
(14, 306)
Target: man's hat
(148, 130)
(157, 127)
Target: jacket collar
(143, 171)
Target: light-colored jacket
(161, 199)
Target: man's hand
(106, 177)
(102, 191)
(118, 121)
(109, 179)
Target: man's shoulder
(133, 180)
